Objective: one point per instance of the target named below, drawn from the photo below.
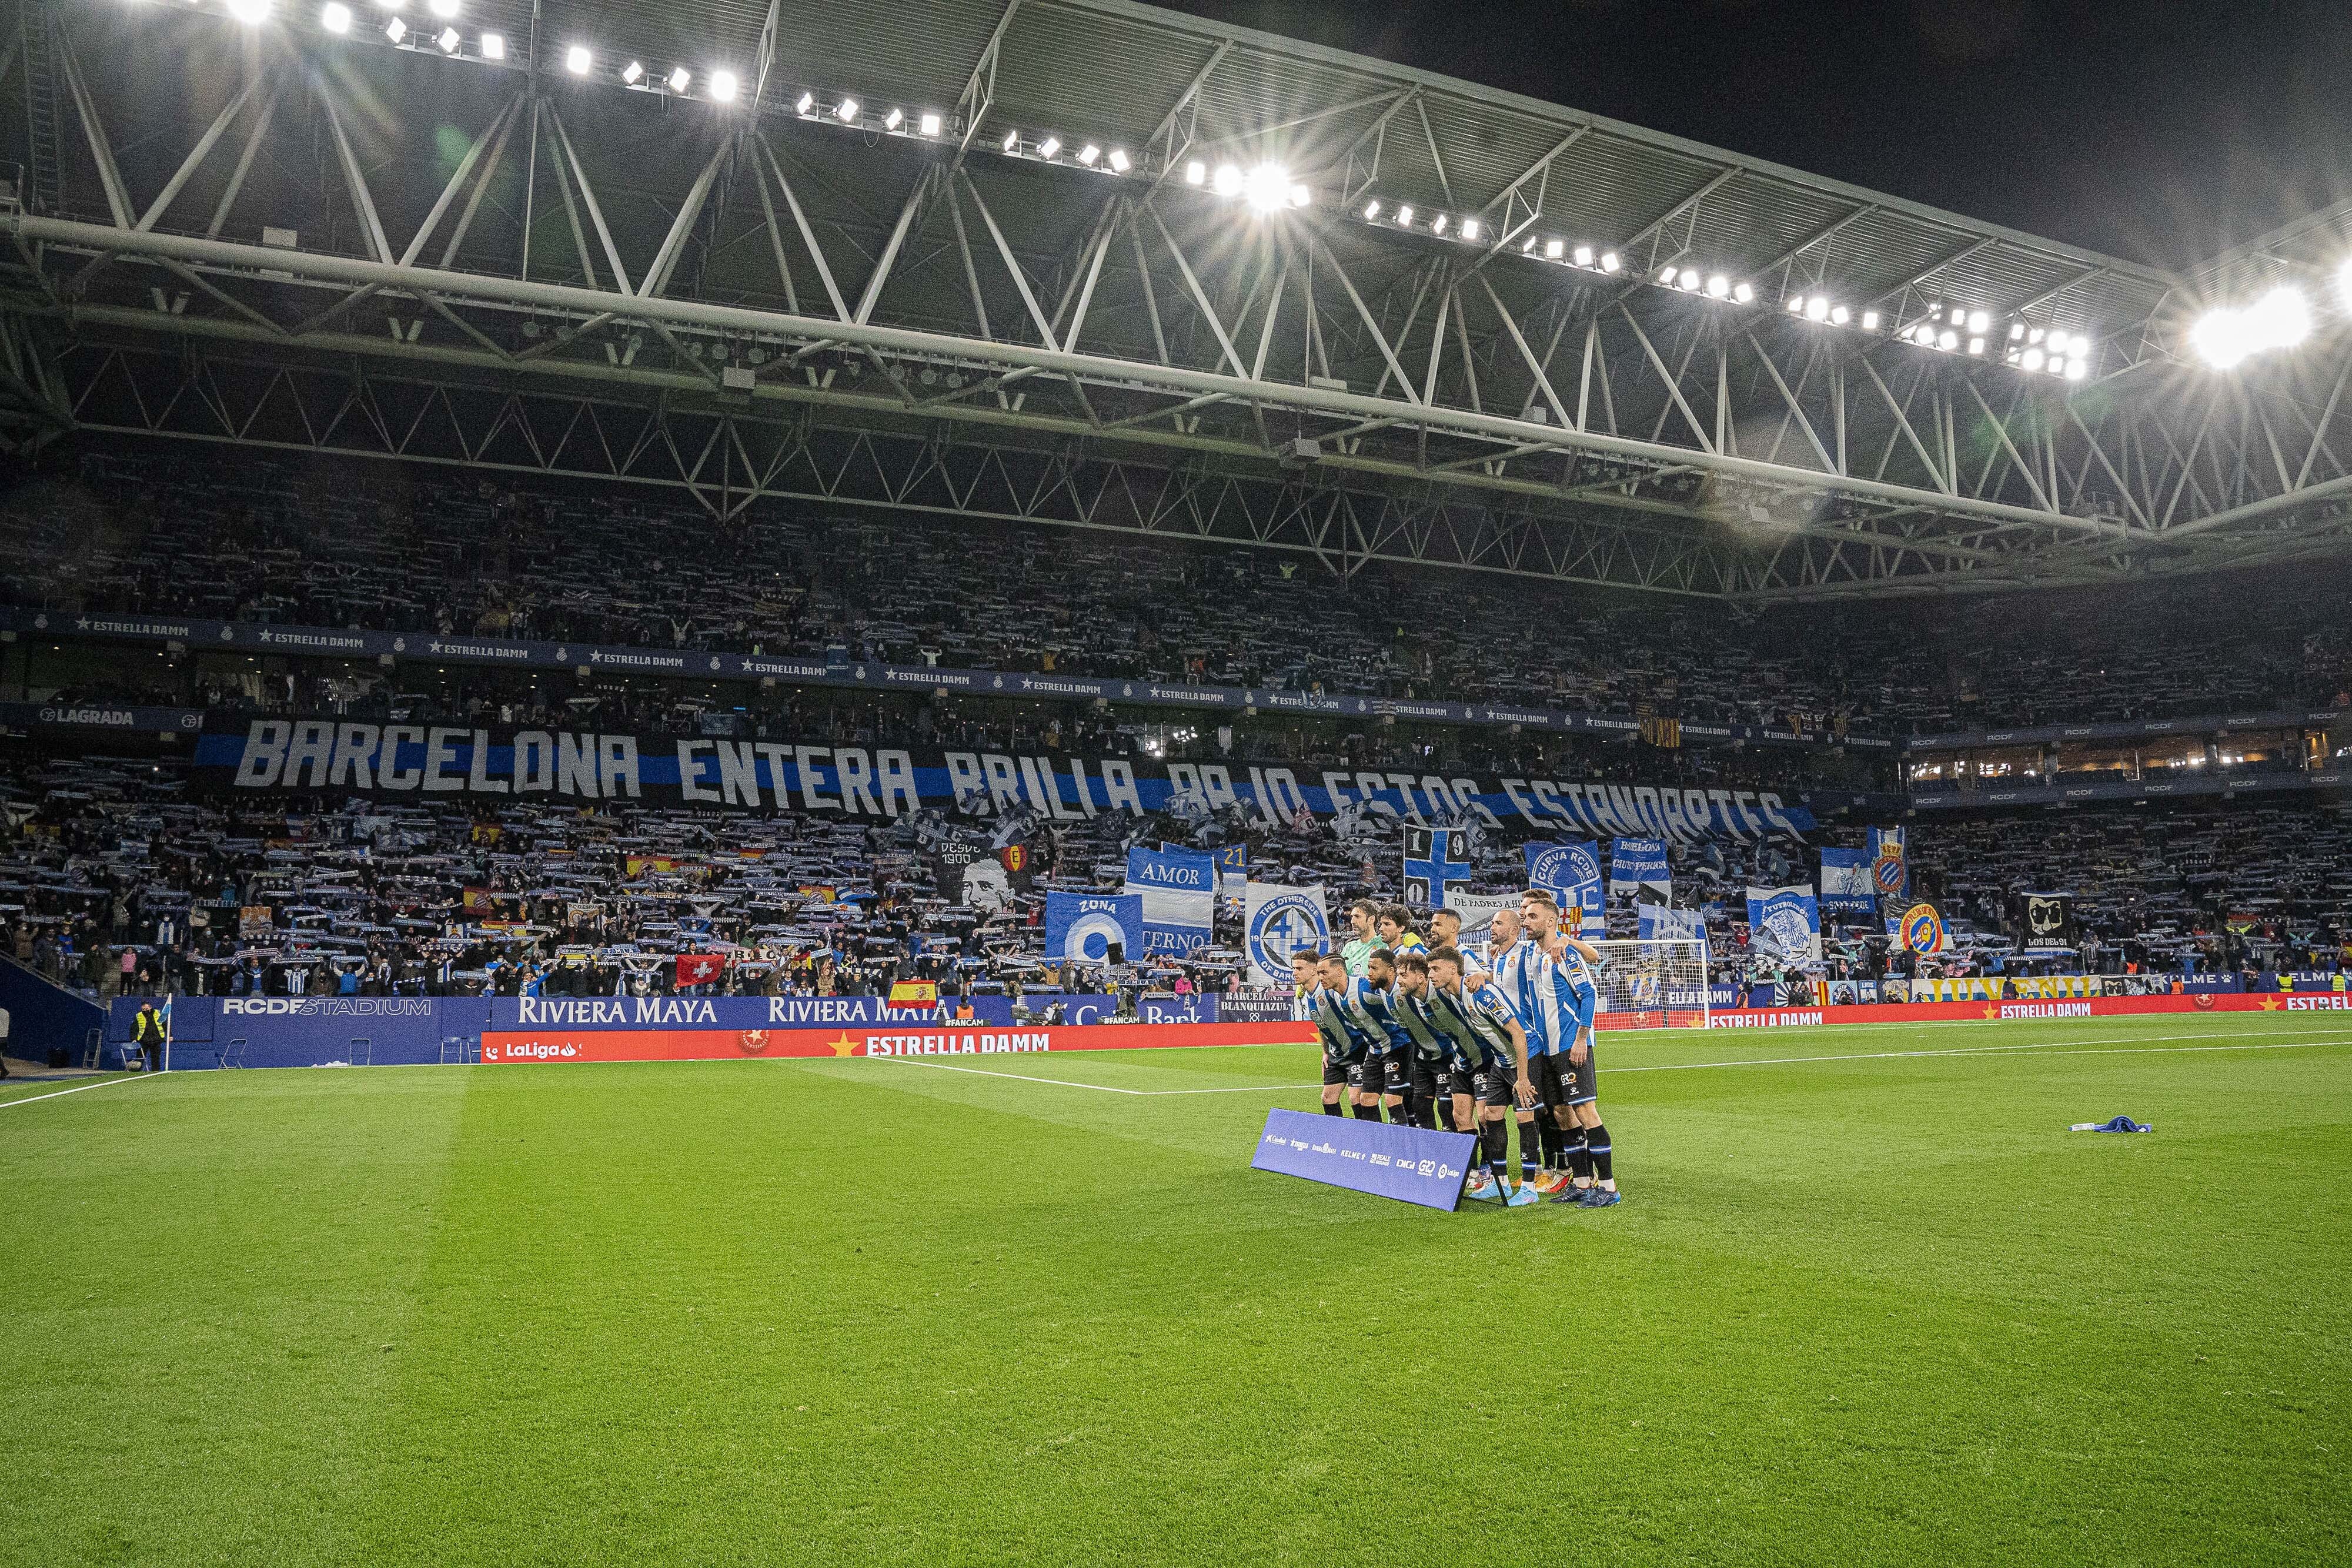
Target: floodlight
(2221, 338)
(847, 110)
(1666, 273)
(1372, 210)
(1609, 261)
(805, 105)
(1089, 154)
(1438, 226)
(1924, 335)
(1817, 309)
(1266, 187)
(1404, 216)
(1300, 195)
(1119, 161)
(2057, 366)
(1470, 228)
(494, 46)
(2282, 317)
(929, 124)
(680, 79)
(632, 73)
(1796, 305)
(1690, 277)
(1012, 143)
(1948, 340)
(577, 60)
(895, 118)
(1839, 316)
(1719, 286)
(1048, 148)
(2060, 342)
(1976, 345)
(252, 13)
(1554, 249)
(1744, 292)
(448, 40)
(722, 87)
(336, 18)
(1197, 173)
(396, 30)
(1978, 320)
(1583, 256)
(1870, 320)
(444, 9)
(2016, 330)
(2077, 368)
(1227, 180)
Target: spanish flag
(915, 994)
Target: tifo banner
(1432, 868)
(573, 1045)
(1232, 869)
(1661, 924)
(1080, 927)
(1636, 865)
(1277, 921)
(1572, 874)
(239, 755)
(1178, 889)
(2050, 920)
(1477, 913)
(1847, 887)
(1410, 1163)
(1997, 987)
(1888, 869)
(1785, 923)
(1922, 929)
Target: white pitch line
(2055, 1048)
(1072, 1083)
(74, 1090)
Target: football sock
(1528, 1154)
(1368, 1112)
(1445, 1111)
(1548, 1136)
(1497, 1142)
(1580, 1156)
(1596, 1143)
(1331, 1108)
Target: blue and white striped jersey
(1373, 1010)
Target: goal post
(1657, 984)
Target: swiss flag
(699, 969)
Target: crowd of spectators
(343, 543)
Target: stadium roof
(1621, 358)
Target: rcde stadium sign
(416, 761)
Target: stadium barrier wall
(2025, 1011)
(734, 1045)
(44, 1015)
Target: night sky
(2151, 130)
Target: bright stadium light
(1978, 320)
(1197, 173)
(1119, 161)
(1554, 249)
(577, 60)
(1817, 309)
(1227, 180)
(1839, 316)
(1405, 217)
(1300, 196)
(2016, 330)
(1267, 187)
(252, 13)
(1948, 340)
(1049, 148)
(2225, 338)
(1583, 256)
(1372, 210)
(336, 18)
(895, 118)
(1976, 345)
(1718, 286)
(929, 123)
(1870, 320)
(1689, 278)
(396, 30)
(494, 46)
(1667, 274)
(1610, 262)
(1438, 226)
(805, 105)
(848, 112)
(632, 73)
(1012, 143)
(1470, 228)
(2077, 368)
(1744, 292)
(444, 9)
(1089, 155)
(1796, 304)
(723, 86)
(680, 79)
(448, 40)
(1924, 335)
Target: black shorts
(1577, 1085)
(1396, 1070)
(1543, 1069)
(1431, 1076)
(1495, 1083)
(1338, 1069)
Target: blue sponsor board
(313, 1032)
(766, 1012)
(1409, 1164)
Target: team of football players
(1432, 1034)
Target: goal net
(1651, 985)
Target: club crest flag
(1785, 923)
(1661, 924)
(1888, 869)
(1179, 888)
(1923, 929)
(1433, 863)
(1081, 927)
(1477, 913)
(1277, 921)
(1636, 864)
(1847, 887)
(1572, 872)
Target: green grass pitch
(1867, 1307)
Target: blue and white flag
(1639, 863)
(1478, 912)
(1888, 869)
(1081, 927)
(1847, 884)
(1180, 896)
(1232, 869)
(1661, 924)
(1571, 872)
(1785, 923)
(1432, 865)
(1277, 921)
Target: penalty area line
(126, 1077)
(1072, 1083)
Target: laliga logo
(1282, 926)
